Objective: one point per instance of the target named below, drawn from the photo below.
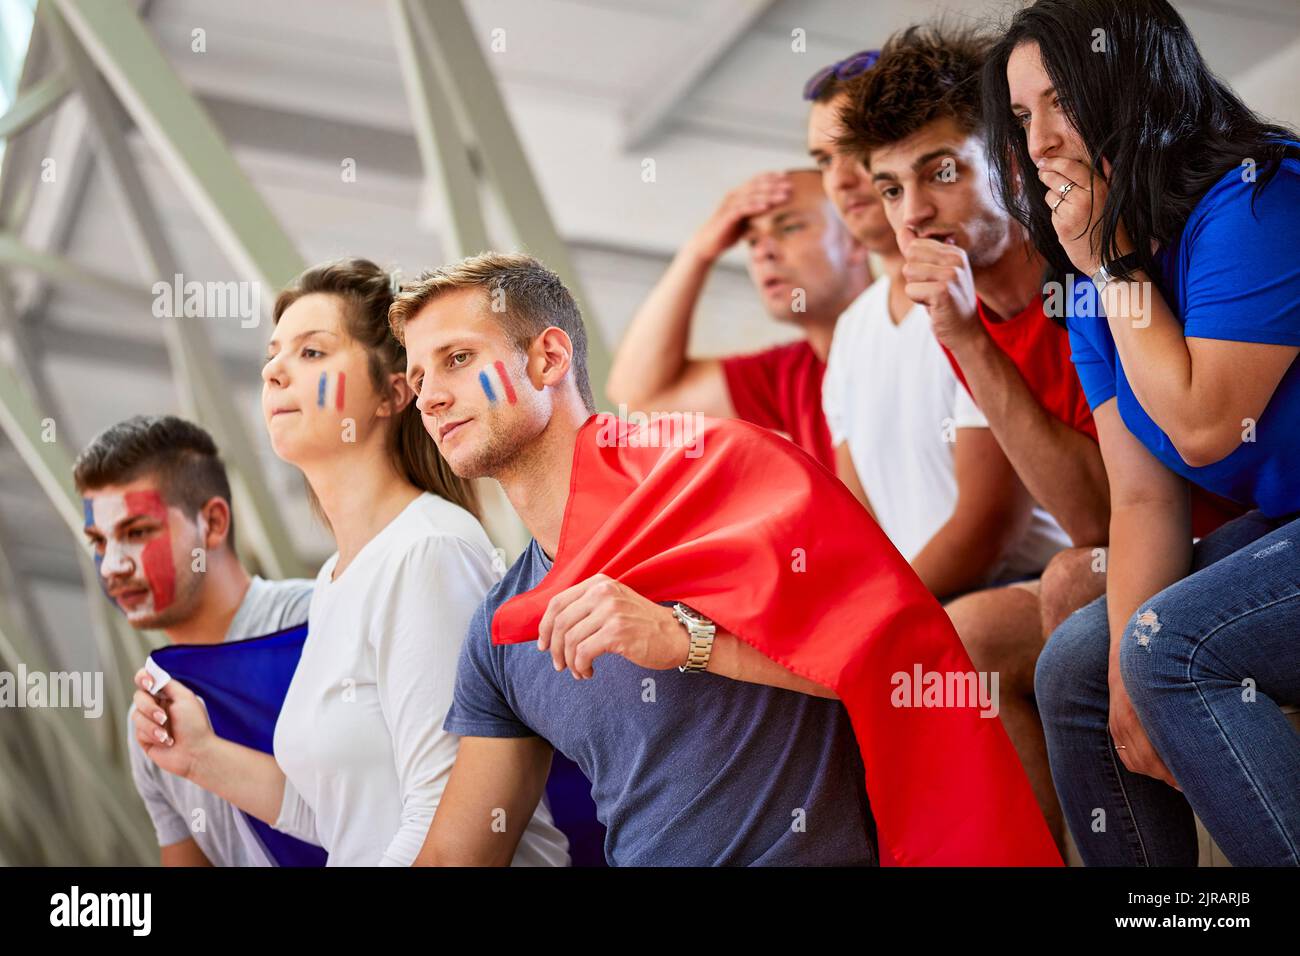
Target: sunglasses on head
(845, 69)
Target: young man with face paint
(515, 417)
(648, 755)
(158, 516)
(805, 265)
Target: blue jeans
(1215, 656)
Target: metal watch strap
(701, 632)
(1106, 274)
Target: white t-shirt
(360, 735)
(180, 809)
(891, 393)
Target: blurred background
(240, 140)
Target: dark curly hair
(925, 73)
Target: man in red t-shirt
(806, 267)
(915, 119)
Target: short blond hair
(526, 296)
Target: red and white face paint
(137, 567)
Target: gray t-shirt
(180, 809)
(686, 769)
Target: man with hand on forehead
(806, 267)
(158, 518)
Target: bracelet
(1106, 274)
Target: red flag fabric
(751, 531)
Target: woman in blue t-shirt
(1185, 344)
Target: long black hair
(1135, 87)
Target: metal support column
(190, 145)
(454, 50)
(442, 148)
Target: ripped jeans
(1207, 663)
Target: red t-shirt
(781, 388)
(1040, 350)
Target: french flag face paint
(327, 397)
(127, 563)
(500, 379)
(88, 510)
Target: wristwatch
(701, 632)
(1106, 274)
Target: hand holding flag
(173, 727)
(602, 616)
(231, 725)
(760, 538)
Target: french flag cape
(749, 530)
(243, 684)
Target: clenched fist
(939, 277)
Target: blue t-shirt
(686, 769)
(1233, 274)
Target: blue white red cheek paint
(503, 379)
(88, 509)
(147, 563)
(323, 390)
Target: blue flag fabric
(568, 792)
(243, 684)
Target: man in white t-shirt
(158, 516)
(908, 439)
(917, 120)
